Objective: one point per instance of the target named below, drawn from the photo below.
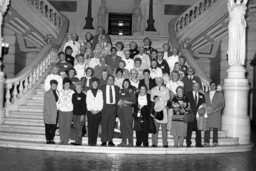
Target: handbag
(157, 115)
(202, 124)
(189, 117)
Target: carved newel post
(3, 8)
(102, 14)
(150, 20)
(235, 118)
(89, 18)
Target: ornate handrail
(46, 9)
(192, 13)
(27, 79)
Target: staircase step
(28, 108)
(23, 121)
(123, 150)
(41, 139)
(37, 97)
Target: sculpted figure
(237, 28)
(102, 14)
(137, 16)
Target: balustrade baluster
(30, 79)
(46, 11)
(15, 92)
(34, 77)
(42, 7)
(40, 69)
(25, 85)
(37, 73)
(20, 89)
(8, 94)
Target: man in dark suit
(109, 112)
(161, 63)
(196, 99)
(190, 79)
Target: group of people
(106, 83)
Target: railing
(193, 13)
(45, 8)
(26, 81)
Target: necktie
(196, 98)
(111, 94)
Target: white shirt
(50, 77)
(142, 100)
(64, 103)
(145, 60)
(135, 84)
(211, 94)
(119, 82)
(80, 69)
(129, 64)
(166, 55)
(197, 96)
(94, 103)
(157, 72)
(94, 62)
(121, 54)
(172, 86)
(75, 47)
(108, 94)
(171, 61)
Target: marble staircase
(24, 128)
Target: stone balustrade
(46, 9)
(192, 13)
(17, 87)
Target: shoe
(103, 144)
(121, 145)
(188, 145)
(199, 145)
(165, 146)
(154, 145)
(215, 144)
(111, 144)
(73, 143)
(206, 145)
(48, 142)
(52, 142)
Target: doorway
(120, 24)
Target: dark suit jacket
(152, 83)
(188, 83)
(164, 66)
(50, 108)
(193, 105)
(145, 110)
(84, 82)
(103, 89)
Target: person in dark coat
(190, 79)
(161, 63)
(126, 100)
(147, 80)
(196, 99)
(50, 112)
(109, 112)
(142, 109)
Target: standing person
(80, 66)
(126, 100)
(72, 77)
(79, 111)
(95, 60)
(180, 106)
(68, 53)
(142, 110)
(147, 43)
(113, 60)
(133, 49)
(196, 99)
(134, 78)
(215, 101)
(174, 83)
(167, 52)
(161, 63)
(109, 112)
(50, 112)
(97, 37)
(145, 60)
(103, 45)
(65, 107)
(102, 66)
(190, 79)
(147, 80)
(94, 101)
(120, 48)
(129, 62)
(86, 80)
(154, 70)
(63, 64)
(160, 96)
(53, 76)
(74, 44)
(171, 60)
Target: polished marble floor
(30, 160)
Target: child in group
(69, 57)
(80, 66)
(53, 76)
(79, 112)
(63, 64)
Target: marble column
(150, 20)
(3, 8)
(89, 18)
(235, 118)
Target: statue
(137, 16)
(237, 28)
(102, 14)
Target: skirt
(179, 128)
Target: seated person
(167, 52)
(104, 76)
(71, 75)
(161, 63)
(138, 68)
(113, 59)
(99, 68)
(103, 46)
(153, 55)
(53, 76)
(63, 64)
(147, 45)
(134, 78)
(133, 49)
(147, 81)
(95, 60)
(171, 60)
(80, 66)
(129, 63)
(145, 60)
(154, 70)
(190, 79)
(120, 48)
(183, 66)
(74, 44)
(119, 78)
(86, 80)
(97, 37)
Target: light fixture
(120, 33)
(120, 23)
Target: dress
(179, 106)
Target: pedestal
(235, 117)
(1, 97)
